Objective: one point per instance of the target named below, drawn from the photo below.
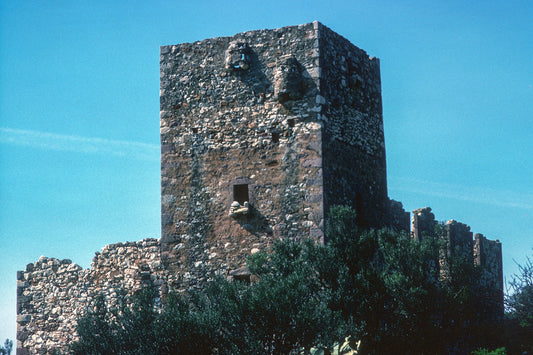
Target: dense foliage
(520, 302)
(499, 351)
(380, 287)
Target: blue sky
(79, 114)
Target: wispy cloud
(474, 194)
(79, 144)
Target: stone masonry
(52, 293)
(261, 133)
(288, 121)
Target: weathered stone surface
(488, 256)
(23, 319)
(288, 120)
(237, 55)
(289, 82)
(59, 290)
(398, 218)
(237, 210)
(423, 223)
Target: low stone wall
(52, 293)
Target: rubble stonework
(295, 115)
(261, 133)
(423, 224)
(52, 293)
(459, 240)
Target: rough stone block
(23, 319)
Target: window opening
(290, 121)
(275, 137)
(240, 193)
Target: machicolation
(261, 133)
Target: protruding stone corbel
(237, 210)
(288, 78)
(238, 56)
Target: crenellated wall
(476, 250)
(52, 293)
(423, 224)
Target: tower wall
(353, 140)
(459, 240)
(423, 224)
(222, 125)
(292, 115)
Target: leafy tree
(94, 330)
(520, 309)
(284, 311)
(520, 302)
(188, 325)
(386, 287)
(6, 349)
(482, 351)
(289, 305)
(391, 291)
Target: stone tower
(260, 134)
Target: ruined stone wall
(52, 293)
(459, 240)
(423, 224)
(485, 254)
(398, 218)
(488, 256)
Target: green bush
(379, 286)
(481, 351)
